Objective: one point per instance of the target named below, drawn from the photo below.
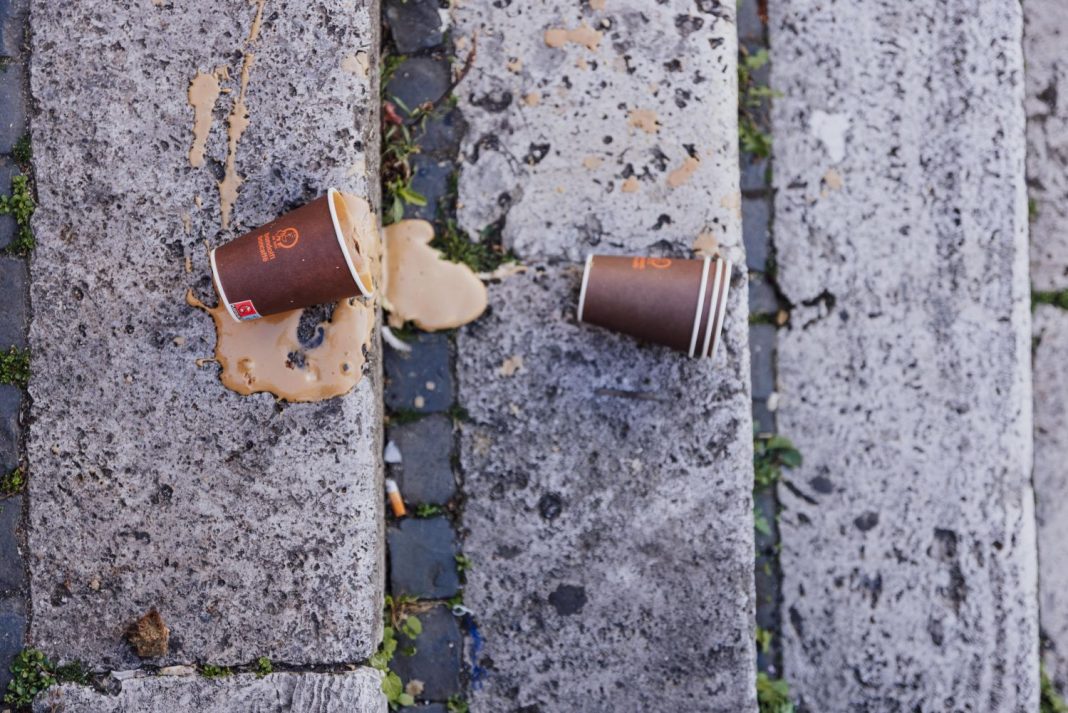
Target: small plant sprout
(456, 704)
(770, 455)
(463, 563)
(773, 695)
(15, 367)
(20, 204)
(13, 482)
(263, 666)
(212, 671)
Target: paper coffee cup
(678, 303)
(309, 256)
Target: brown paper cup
(309, 256)
(678, 303)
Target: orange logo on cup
(283, 240)
(286, 238)
(658, 263)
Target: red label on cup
(245, 310)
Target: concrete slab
(356, 691)
(608, 510)
(254, 527)
(1046, 30)
(1051, 485)
(901, 235)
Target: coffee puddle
(203, 93)
(267, 354)
(422, 287)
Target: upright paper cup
(677, 303)
(309, 256)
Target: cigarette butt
(395, 500)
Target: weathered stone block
(414, 24)
(14, 277)
(13, 104)
(421, 379)
(436, 661)
(583, 137)
(422, 558)
(356, 691)
(254, 526)
(908, 539)
(425, 473)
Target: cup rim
(585, 281)
(721, 308)
(701, 305)
(330, 194)
(219, 287)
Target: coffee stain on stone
(592, 162)
(202, 95)
(257, 22)
(237, 122)
(683, 173)
(630, 185)
(644, 119)
(423, 287)
(557, 37)
(532, 99)
(706, 245)
(597, 4)
(267, 354)
(357, 64)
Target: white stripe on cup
(219, 287)
(712, 307)
(585, 281)
(331, 194)
(700, 306)
(727, 266)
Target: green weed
(770, 455)
(20, 204)
(15, 367)
(773, 695)
(13, 482)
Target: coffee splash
(423, 287)
(267, 354)
(203, 93)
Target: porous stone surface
(608, 483)
(356, 691)
(1045, 34)
(422, 556)
(254, 526)
(8, 170)
(420, 379)
(413, 24)
(418, 80)
(908, 537)
(13, 290)
(437, 658)
(425, 473)
(12, 104)
(1051, 485)
(12, 26)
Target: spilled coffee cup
(678, 303)
(308, 256)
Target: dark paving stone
(10, 402)
(437, 660)
(8, 170)
(755, 220)
(430, 178)
(754, 172)
(414, 24)
(419, 80)
(750, 26)
(12, 638)
(12, 105)
(422, 558)
(762, 359)
(12, 26)
(762, 299)
(13, 297)
(12, 576)
(763, 419)
(440, 135)
(431, 708)
(425, 475)
(409, 374)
